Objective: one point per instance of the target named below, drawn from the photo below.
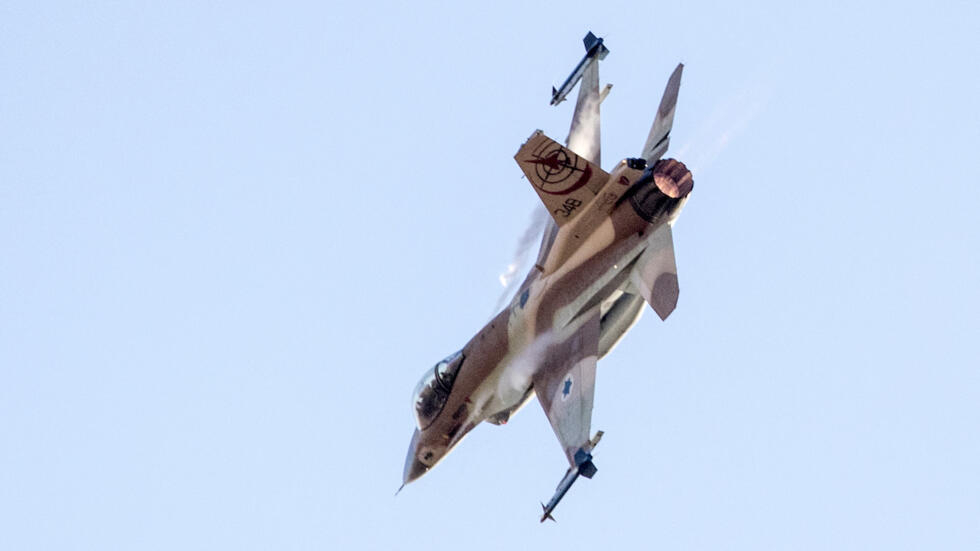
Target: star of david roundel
(566, 387)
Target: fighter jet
(607, 251)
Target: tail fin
(591, 41)
(564, 181)
(659, 137)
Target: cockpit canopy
(432, 392)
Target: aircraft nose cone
(413, 467)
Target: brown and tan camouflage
(608, 251)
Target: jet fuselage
(586, 270)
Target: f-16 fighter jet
(607, 250)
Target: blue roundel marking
(566, 387)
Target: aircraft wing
(564, 181)
(565, 386)
(583, 135)
(659, 137)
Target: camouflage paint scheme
(607, 251)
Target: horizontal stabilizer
(655, 272)
(659, 138)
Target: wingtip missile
(594, 51)
(583, 466)
(566, 484)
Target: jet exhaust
(661, 190)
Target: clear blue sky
(232, 236)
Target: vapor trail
(732, 116)
(531, 235)
(523, 366)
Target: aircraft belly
(507, 385)
(621, 316)
(610, 278)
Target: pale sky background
(233, 236)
